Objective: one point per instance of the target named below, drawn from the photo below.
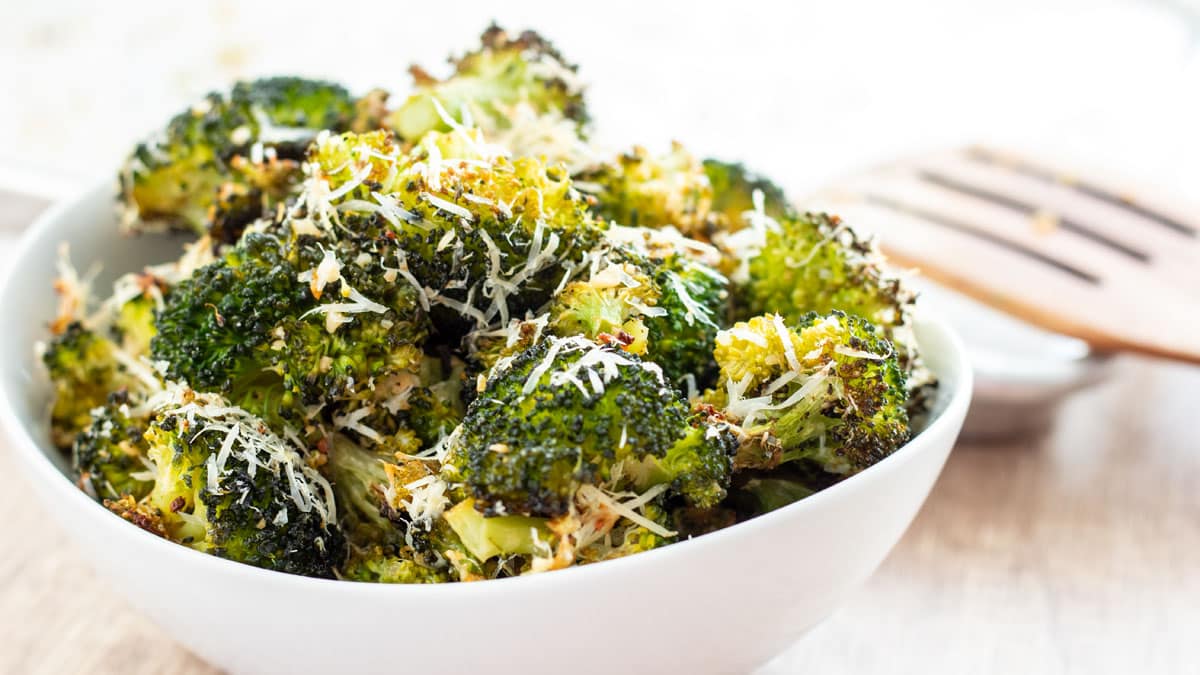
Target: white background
(803, 91)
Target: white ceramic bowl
(721, 603)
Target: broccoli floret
(492, 86)
(830, 391)
(84, 369)
(641, 189)
(613, 303)
(109, 456)
(437, 406)
(567, 413)
(814, 263)
(390, 539)
(733, 187)
(789, 263)
(294, 103)
(213, 324)
(172, 180)
(324, 322)
(667, 311)
(227, 485)
(695, 298)
(360, 482)
(133, 326)
(485, 239)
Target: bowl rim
(38, 466)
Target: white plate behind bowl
(724, 602)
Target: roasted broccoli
(224, 483)
(483, 238)
(569, 412)
(828, 390)
(85, 369)
(640, 189)
(385, 544)
(494, 86)
(251, 137)
(667, 311)
(109, 456)
(813, 263)
(280, 323)
(448, 341)
(733, 187)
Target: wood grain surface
(1078, 552)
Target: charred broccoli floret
(668, 311)
(790, 263)
(567, 413)
(251, 137)
(828, 390)
(484, 238)
(133, 326)
(410, 411)
(226, 484)
(109, 456)
(814, 263)
(314, 324)
(733, 187)
(492, 85)
(644, 190)
(360, 483)
(385, 544)
(85, 368)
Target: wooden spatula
(1074, 252)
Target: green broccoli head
(109, 456)
(493, 86)
(814, 263)
(611, 302)
(695, 299)
(567, 413)
(172, 180)
(85, 368)
(484, 239)
(360, 484)
(667, 310)
(133, 325)
(391, 539)
(283, 322)
(436, 406)
(733, 187)
(643, 190)
(226, 484)
(410, 411)
(829, 390)
(289, 105)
